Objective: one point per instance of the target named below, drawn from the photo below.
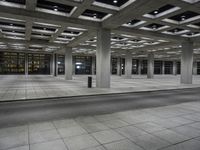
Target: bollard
(89, 82)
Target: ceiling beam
(135, 9)
(81, 8)
(37, 16)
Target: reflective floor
(16, 87)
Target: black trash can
(89, 82)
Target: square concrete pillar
(187, 62)
(103, 58)
(195, 68)
(93, 65)
(26, 64)
(150, 66)
(54, 65)
(119, 66)
(68, 63)
(163, 67)
(128, 65)
(51, 65)
(174, 68)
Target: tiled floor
(174, 127)
(15, 87)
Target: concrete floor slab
(20, 87)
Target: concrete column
(128, 65)
(93, 65)
(119, 66)
(187, 62)
(163, 67)
(139, 66)
(103, 58)
(54, 65)
(26, 64)
(51, 65)
(150, 66)
(73, 66)
(68, 63)
(111, 65)
(174, 68)
(195, 68)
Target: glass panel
(114, 65)
(134, 66)
(83, 64)
(39, 63)
(12, 63)
(158, 67)
(144, 67)
(61, 64)
(198, 67)
(168, 67)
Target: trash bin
(89, 82)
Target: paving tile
(41, 126)
(13, 131)
(94, 127)
(188, 145)
(107, 136)
(117, 123)
(171, 136)
(52, 145)
(71, 131)
(130, 131)
(81, 142)
(149, 127)
(20, 148)
(65, 123)
(195, 125)
(43, 136)
(122, 145)
(96, 148)
(16, 140)
(149, 142)
(187, 131)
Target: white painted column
(150, 66)
(163, 67)
(187, 62)
(195, 68)
(128, 65)
(26, 63)
(139, 66)
(103, 58)
(68, 63)
(93, 65)
(174, 68)
(119, 66)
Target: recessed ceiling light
(156, 12)
(182, 18)
(115, 1)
